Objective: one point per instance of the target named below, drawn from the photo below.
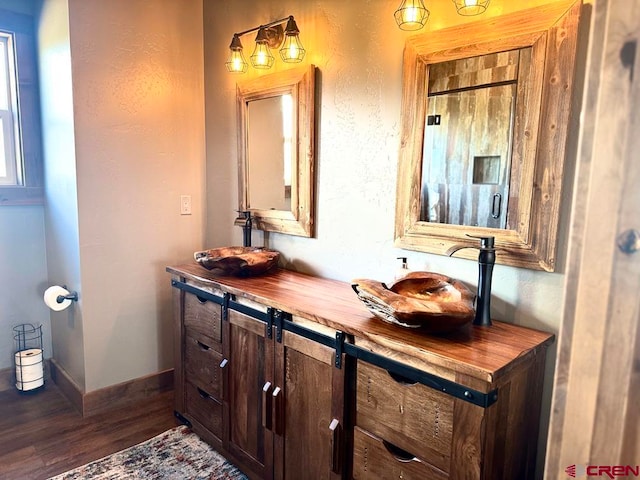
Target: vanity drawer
(202, 363)
(202, 407)
(375, 458)
(203, 316)
(411, 416)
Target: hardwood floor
(42, 434)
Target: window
(20, 142)
(10, 154)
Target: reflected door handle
(496, 206)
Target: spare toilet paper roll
(28, 357)
(29, 369)
(51, 298)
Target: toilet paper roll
(51, 298)
(29, 369)
(28, 357)
(30, 373)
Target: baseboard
(66, 385)
(113, 396)
(98, 401)
(6, 379)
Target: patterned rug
(177, 454)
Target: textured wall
(61, 209)
(139, 125)
(358, 50)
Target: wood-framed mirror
(485, 116)
(276, 150)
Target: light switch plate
(185, 204)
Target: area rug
(177, 454)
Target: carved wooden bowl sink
(431, 301)
(238, 261)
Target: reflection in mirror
(467, 140)
(485, 118)
(276, 150)
(269, 152)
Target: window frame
(30, 189)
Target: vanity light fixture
(270, 36)
(471, 7)
(412, 15)
(236, 62)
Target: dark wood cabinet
(289, 376)
(308, 420)
(250, 365)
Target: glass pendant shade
(412, 15)
(236, 62)
(261, 56)
(292, 50)
(471, 7)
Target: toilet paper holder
(73, 296)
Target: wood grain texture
(551, 31)
(44, 435)
(596, 393)
(266, 429)
(307, 384)
(484, 353)
(250, 366)
(411, 416)
(373, 459)
(300, 83)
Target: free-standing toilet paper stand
(29, 358)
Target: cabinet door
(248, 391)
(308, 411)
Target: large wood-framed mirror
(485, 116)
(276, 150)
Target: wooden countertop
(485, 353)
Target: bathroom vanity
(290, 376)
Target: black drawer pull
(202, 393)
(401, 379)
(202, 300)
(398, 453)
(203, 346)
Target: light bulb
(411, 15)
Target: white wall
(23, 276)
(23, 270)
(358, 49)
(123, 93)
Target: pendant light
(471, 7)
(411, 15)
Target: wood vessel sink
(430, 301)
(238, 261)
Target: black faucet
(486, 260)
(246, 228)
